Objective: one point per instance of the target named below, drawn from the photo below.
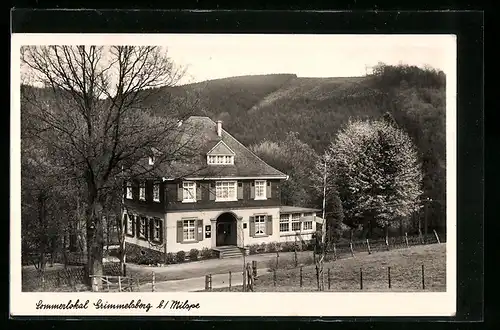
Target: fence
(114, 283)
(72, 278)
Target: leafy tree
(91, 120)
(377, 172)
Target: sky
(213, 56)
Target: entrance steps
(228, 251)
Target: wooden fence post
(210, 282)
(229, 280)
(274, 277)
(389, 276)
(328, 278)
(368, 245)
(124, 269)
(361, 278)
(423, 278)
(300, 276)
(120, 283)
(437, 237)
(406, 239)
(254, 267)
(153, 282)
(244, 286)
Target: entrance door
(226, 230)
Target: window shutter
(252, 190)
(125, 223)
(198, 192)
(269, 225)
(212, 191)
(137, 225)
(133, 224)
(179, 232)
(268, 191)
(252, 226)
(179, 192)
(199, 230)
(240, 190)
(161, 231)
(152, 228)
(146, 229)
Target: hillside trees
(296, 159)
(377, 173)
(90, 122)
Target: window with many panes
(221, 160)
(128, 190)
(142, 191)
(156, 229)
(260, 225)
(295, 221)
(260, 189)
(225, 191)
(188, 230)
(189, 191)
(308, 224)
(156, 192)
(130, 223)
(142, 227)
(284, 222)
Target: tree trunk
(95, 235)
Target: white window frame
(264, 190)
(187, 229)
(156, 229)
(187, 196)
(142, 190)
(156, 192)
(220, 185)
(130, 223)
(283, 221)
(220, 159)
(309, 223)
(296, 220)
(260, 225)
(139, 234)
(128, 190)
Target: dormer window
(221, 159)
(220, 154)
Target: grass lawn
(406, 272)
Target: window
(295, 221)
(128, 190)
(130, 224)
(189, 192)
(156, 192)
(220, 160)
(188, 230)
(142, 191)
(307, 225)
(225, 191)
(142, 227)
(260, 189)
(156, 229)
(284, 222)
(260, 224)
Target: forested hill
(268, 107)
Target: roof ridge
(248, 149)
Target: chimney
(219, 128)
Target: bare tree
(93, 119)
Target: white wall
(172, 218)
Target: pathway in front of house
(197, 283)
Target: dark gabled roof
(204, 137)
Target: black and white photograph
(156, 174)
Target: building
(231, 201)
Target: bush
(171, 259)
(271, 247)
(206, 253)
(253, 249)
(193, 254)
(180, 256)
(262, 248)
